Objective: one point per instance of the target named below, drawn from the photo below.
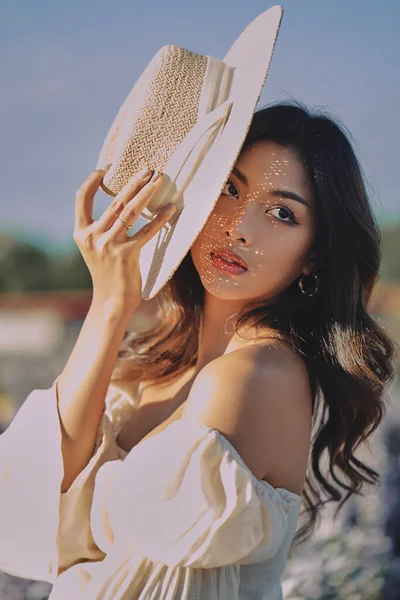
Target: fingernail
(107, 167)
(156, 176)
(145, 172)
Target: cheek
(282, 250)
(209, 235)
(277, 252)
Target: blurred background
(66, 68)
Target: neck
(217, 334)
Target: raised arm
(113, 261)
(82, 387)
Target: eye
(231, 186)
(284, 214)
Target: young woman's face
(257, 221)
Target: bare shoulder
(253, 376)
(259, 398)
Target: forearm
(83, 384)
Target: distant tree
(390, 269)
(70, 272)
(25, 267)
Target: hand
(111, 255)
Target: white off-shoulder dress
(180, 516)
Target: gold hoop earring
(316, 284)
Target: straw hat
(188, 116)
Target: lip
(229, 254)
(222, 265)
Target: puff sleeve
(43, 531)
(184, 497)
(31, 471)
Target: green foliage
(70, 272)
(24, 267)
(390, 268)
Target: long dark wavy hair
(347, 353)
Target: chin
(216, 283)
(224, 290)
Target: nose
(241, 227)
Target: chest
(161, 405)
(158, 407)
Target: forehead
(268, 161)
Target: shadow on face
(265, 214)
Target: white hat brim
(250, 56)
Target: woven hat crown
(158, 113)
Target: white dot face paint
(265, 214)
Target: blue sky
(66, 68)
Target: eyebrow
(273, 192)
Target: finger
(145, 233)
(133, 208)
(134, 185)
(84, 199)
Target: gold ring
(129, 227)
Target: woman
(194, 491)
